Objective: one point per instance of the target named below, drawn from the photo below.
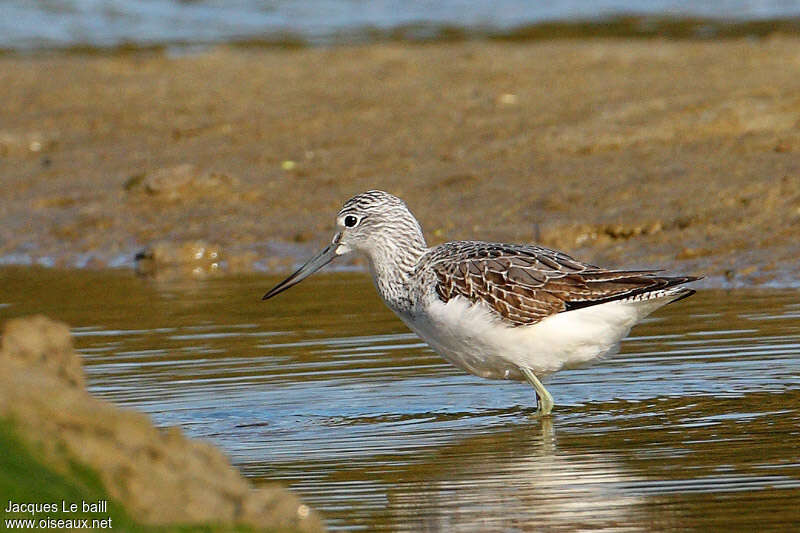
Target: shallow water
(694, 426)
(63, 23)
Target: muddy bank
(684, 155)
(159, 476)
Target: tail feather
(683, 293)
(652, 287)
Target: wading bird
(499, 311)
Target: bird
(499, 311)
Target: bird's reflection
(517, 480)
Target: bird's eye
(350, 221)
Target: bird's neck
(392, 267)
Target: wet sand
(680, 154)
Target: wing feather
(525, 284)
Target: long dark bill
(314, 264)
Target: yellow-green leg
(544, 401)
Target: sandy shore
(627, 153)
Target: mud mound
(179, 260)
(44, 345)
(182, 183)
(160, 477)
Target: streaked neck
(392, 265)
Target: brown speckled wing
(525, 284)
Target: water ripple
(693, 425)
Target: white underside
(473, 338)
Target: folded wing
(525, 284)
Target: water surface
(694, 426)
(64, 23)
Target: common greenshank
(499, 311)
